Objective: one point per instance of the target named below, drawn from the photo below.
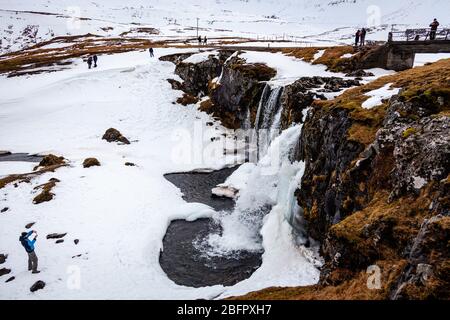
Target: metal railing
(424, 34)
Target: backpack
(25, 244)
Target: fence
(419, 35)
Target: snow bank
(200, 57)
(377, 96)
(289, 69)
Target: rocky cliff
(375, 191)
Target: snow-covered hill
(25, 22)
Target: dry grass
(27, 61)
(354, 289)
(27, 177)
(46, 193)
(332, 58)
(306, 54)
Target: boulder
(130, 164)
(3, 258)
(51, 160)
(76, 241)
(38, 285)
(4, 271)
(4, 209)
(90, 162)
(29, 225)
(56, 235)
(10, 279)
(114, 135)
(360, 73)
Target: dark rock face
(3, 258)
(298, 96)
(388, 201)
(327, 154)
(197, 76)
(56, 235)
(4, 210)
(76, 241)
(238, 90)
(10, 279)
(90, 162)
(114, 135)
(38, 285)
(427, 262)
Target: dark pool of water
(183, 261)
(7, 156)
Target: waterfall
(268, 118)
(269, 183)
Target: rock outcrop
(237, 92)
(38, 285)
(386, 203)
(91, 162)
(114, 135)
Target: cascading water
(268, 119)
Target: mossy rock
(91, 162)
(50, 160)
(44, 196)
(408, 132)
(187, 99)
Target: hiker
(434, 25)
(150, 50)
(199, 40)
(357, 36)
(95, 61)
(29, 248)
(363, 37)
(89, 62)
(205, 40)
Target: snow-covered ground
(118, 213)
(23, 22)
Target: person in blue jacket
(29, 248)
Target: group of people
(92, 59)
(360, 37)
(203, 40)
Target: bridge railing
(424, 34)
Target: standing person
(89, 62)
(95, 61)
(434, 25)
(199, 40)
(357, 36)
(150, 50)
(29, 248)
(205, 40)
(363, 37)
